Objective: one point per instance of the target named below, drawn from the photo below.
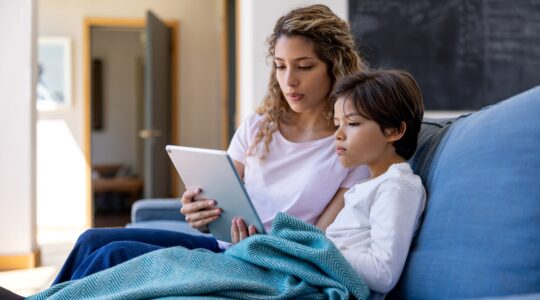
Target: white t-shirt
(299, 179)
(375, 228)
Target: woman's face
(302, 76)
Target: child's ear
(393, 134)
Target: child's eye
(354, 124)
(279, 67)
(305, 68)
(336, 127)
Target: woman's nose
(291, 79)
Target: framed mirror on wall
(54, 73)
(97, 94)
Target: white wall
(198, 83)
(121, 54)
(17, 127)
(257, 19)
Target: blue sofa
(480, 234)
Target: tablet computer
(214, 172)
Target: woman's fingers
(242, 228)
(234, 232)
(202, 223)
(202, 215)
(187, 199)
(198, 212)
(189, 205)
(201, 212)
(252, 230)
(197, 206)
(240, 231)
(189, 194)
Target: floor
(55, 245)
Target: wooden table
(128, 185)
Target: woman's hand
(199, 212)
(240, 231)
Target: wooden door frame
(89, 23)
(229, 81)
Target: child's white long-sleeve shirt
(375, 228)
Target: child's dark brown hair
(388, 97)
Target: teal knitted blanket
(295, 261)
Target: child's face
(360, 141)
(302, 76)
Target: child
(377, 115)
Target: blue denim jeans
(101, 248)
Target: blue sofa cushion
(480, 235)
(156, 209)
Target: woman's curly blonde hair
(332, 43)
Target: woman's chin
(296, 107)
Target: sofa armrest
(156, 209)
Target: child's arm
(332, 209)
(393, 215)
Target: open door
(157, 108)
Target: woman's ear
(394, 134)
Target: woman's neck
(306, 126)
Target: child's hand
(240, 231)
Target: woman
(284, 153)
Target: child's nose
(338, 135)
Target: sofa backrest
(480, 234)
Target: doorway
(116, 64)
(117, 92)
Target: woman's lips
(295, 96)
(340, 150)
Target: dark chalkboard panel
(465, 54)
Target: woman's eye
(336, 127)
(354, 124)
(305, 68)
(279, 67)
